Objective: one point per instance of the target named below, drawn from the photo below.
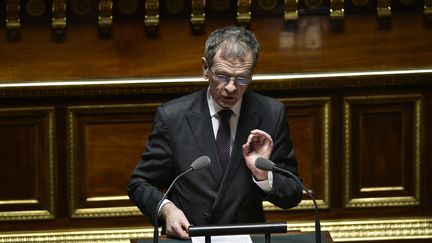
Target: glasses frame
(225, 79)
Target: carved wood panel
(382, 150)
(105, 143)
(27, 150)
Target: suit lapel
(249, 120)
(201, 126)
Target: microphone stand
(317, 219)
(268, 165)
(156, 226)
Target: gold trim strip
(257, 77)
(110, 198)
(340, 230)
(381, 189)
(29, 201)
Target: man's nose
(231, 86)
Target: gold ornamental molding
(59, 17)
(383, 9)
(75, 210)
(37, 214)
(13, 22)
(198, 15)
(105, 18)
(291, 10)
(302, 81)
(427, 10)
(151, 18)
(390, 201)
(337, 10)
(340, 230)
(244, 14)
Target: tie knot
(225, 114)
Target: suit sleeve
(285, 192)
(154, 170)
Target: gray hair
(235, 41)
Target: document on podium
(224, 239)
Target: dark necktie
(223, 137)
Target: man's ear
(204, 67)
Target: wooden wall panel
(382, 150)
(105, 144)
(27, 163)
(309, 127)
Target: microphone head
(264, 164)
(200, 163)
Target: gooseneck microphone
(268, 165)
(198, 164)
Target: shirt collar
(215, 108)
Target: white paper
(224, 239)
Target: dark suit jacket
(182, 132)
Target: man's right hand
(176, 222)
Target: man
(232, 189)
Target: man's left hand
(258, 144)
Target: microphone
(198, 164)
(268, 165)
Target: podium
(294, 236)
(260, 233)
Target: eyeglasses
(225, 79)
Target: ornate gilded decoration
(35, 8)
(427, 11)
(151, 18)
(59, 17)
(291, 10)
(337, 10)
(198, 14)
(387, 201)
(13, 22)
(49, 206)
(243, 12)
(383, 9)
(105, 18)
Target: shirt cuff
(165, 201)
(266, 185)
